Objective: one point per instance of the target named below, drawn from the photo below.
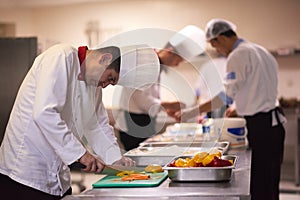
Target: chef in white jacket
(251, 81)
(58, 118)
(139, 108)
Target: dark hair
(229, 33)
(116, 57)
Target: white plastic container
(232, 130)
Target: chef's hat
(189, 42)
(217, 26)
(139, 66)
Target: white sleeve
(236, 73)
(147, 102)
(101, 137)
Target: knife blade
(110, 169)
(114, 169)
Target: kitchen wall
(271, 23)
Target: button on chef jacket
(53, 113)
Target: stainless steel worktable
(237, 188)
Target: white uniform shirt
(145, 101)
(252, 79)
(52, 114)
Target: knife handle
(77, 165)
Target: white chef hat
(189, 42)
(139, 66)
(217, 26)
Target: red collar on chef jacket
(81, 56)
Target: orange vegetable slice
(133, 177)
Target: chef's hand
(92, 163)
(186, 114)
(230, 112)
(125, 161)
(174, 105)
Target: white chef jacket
(145, 101)
(251, 79)
(53, 113)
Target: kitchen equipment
(184, 128)
(114, 169)
(162, 152)
(201, 173)
(115, 181)
(110, 169)
(187, 132)
(232, 130)
(17, 56)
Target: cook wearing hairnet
(59, 118)
(252, 82)
(139, 108)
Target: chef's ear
(105, 59)
(170, 49)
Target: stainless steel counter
(237, 188)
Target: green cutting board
(115, 181)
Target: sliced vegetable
(133, 177)
(154, 168)
(198, 157)
(124, 173)
(202, 159)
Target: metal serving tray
(208, 174)
(162, 152)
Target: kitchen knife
(114, 169)
(110, 169)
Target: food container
(190, 174)
(233, 130)
(162, 152)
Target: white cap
(139, 66)
(189, 42)
(217, 26)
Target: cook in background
(59, 118)
(252, 82)
(137, 120)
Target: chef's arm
(152, 105)
(172, 107)
(104, 141)
(216, 102)
(146, 102)
(99, 134)
(210, 105)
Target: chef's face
(97, 73)
(109, 76)
(220, 44)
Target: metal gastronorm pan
(189, 174)
(162, 152)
